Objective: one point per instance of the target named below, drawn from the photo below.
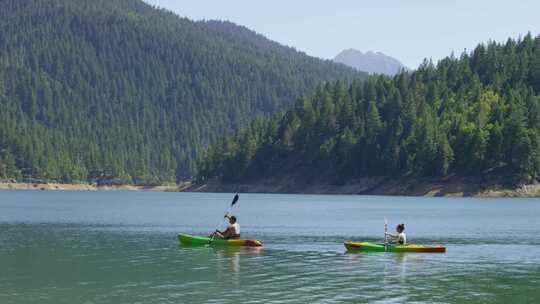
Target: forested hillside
(475, 115)
(116, 90)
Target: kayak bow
(378, 247)
(192, 240)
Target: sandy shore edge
(87, 187)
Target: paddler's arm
(393, 237)
(227, 233)
(222, 232)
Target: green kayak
(192, 240)
(369, 246)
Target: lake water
(121, 247)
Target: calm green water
(121, 247)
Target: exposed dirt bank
(367, 186)
(458, 187)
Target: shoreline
(454, 187)
(364, 186)
(87, 187)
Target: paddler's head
(232, 219)
(400, 228)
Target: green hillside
(473, 116)
(118, 91)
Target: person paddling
(399, 238)
(232, 232)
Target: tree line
(473, 115)
(120, 91)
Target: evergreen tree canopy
(465, 116)
(119, 90)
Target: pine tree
(465, 116)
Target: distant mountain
(119, 91)
(371, 62)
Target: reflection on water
(226, 259)
(232, 256)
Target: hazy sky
(409, 30)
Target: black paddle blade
(235, 199)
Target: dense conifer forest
(475, 115)
(119, 91)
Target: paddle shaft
(235, 199)
(385, 235)
(220, 223)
